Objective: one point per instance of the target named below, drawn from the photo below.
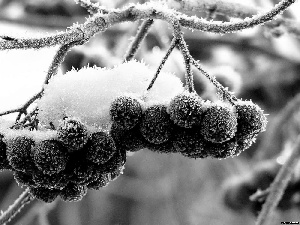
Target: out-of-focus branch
(279, 185)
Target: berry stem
(16, 207)
(230, 97)
(135, 44)
(279, 185)
(178, 34)
(163, 61)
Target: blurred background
(261, 64)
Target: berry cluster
(188, 125)
(65, 166)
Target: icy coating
(87, 94)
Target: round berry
(166, 147)
(102, 181)
(4, 164)
(73, 192)
(19, 153)
(156, 126)
(186, 110)
(129, 140)
(126, 111)
(50, 156)
(100, 147)
(219, 123)
(221, 150)
(55, 181)
(24, 178)
(72, 133)
(189, 142)
(44, 194)
(118, 160)
(244, 143)
(250, 119)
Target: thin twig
(152, 10)
(136, 42)
(186, 56)
(279, 185)
(230, 97)
(92, 8)
(163, 61)
(16, 207)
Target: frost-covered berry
(156, 126)
(19, 153)
(4, 164)
(79, 170)
(72, 133)
(186, 109)
(44, 194)
(125, 111)
(189, 142)
(251, 119)
(24, 178)
(114, 163)
(50, 156)
(102, 181)
(56, 181)
(166, 147)
(219, 123)
(100, 147)
(244, 143)
(221, 150)
(129, 140)
(73, 192)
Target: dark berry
(24, 178)
(156, 125)
(244, 143)
(186, 109)
(189, 142)
(44, 194)
(72, 133)
(56, 181)
(50, 156)
(19, 153)
(166, 147)
(219, 123)
(102, 181)
(100, 147)
(125, 111)
(128, 140)
(73, 192)
(4, 164)
(221, 150)
(250, 118)
(112, 165)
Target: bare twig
(163, 61)
(279, 185)
(92, 8)
(136, 42)
(100, 22)
(16, 207)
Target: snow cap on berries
(250, 118)
(72, 133)
(186, 109)
(219, 123)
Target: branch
(92, 8)
(135, 44)
(162, 63)
(16, 207)
(100, 22)
(279, 185)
